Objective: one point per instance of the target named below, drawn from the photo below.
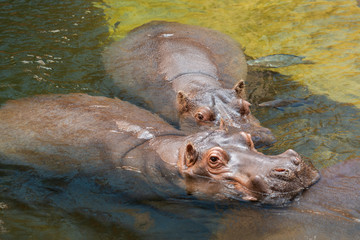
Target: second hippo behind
(189, 75)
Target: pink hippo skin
(83, 133)
(189, 75)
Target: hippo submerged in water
(82, 133)
(191, 76)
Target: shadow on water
(75, 206)
(41, 206)
(55, 47)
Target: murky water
(55, 47)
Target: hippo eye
(217, 159)
(199, 116)
(204, 114)
(214, 159)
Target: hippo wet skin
(93, 135)
(191, 76)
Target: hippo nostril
(296, 161)
(280, 169)
(291, 152)
(282, 173)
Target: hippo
(191, 76)
(92, 135)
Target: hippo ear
(248, 140)
(240, 89)
(244, 107)
(190, 155)
(182, 102)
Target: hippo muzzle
(273, 179)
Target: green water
(55, 47)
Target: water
(55, 47)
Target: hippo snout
(293, 157)
(290, 168)
(290, 153)
(262, 136)
(285, 174)
(281, 177)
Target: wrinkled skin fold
(82, 133)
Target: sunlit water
(56, 46)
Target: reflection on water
(55, 47)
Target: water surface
(55, 47)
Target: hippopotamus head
(216, 163)
(204, 108)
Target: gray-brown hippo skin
(189, 75)
(82, 133)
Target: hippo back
(75, 130)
